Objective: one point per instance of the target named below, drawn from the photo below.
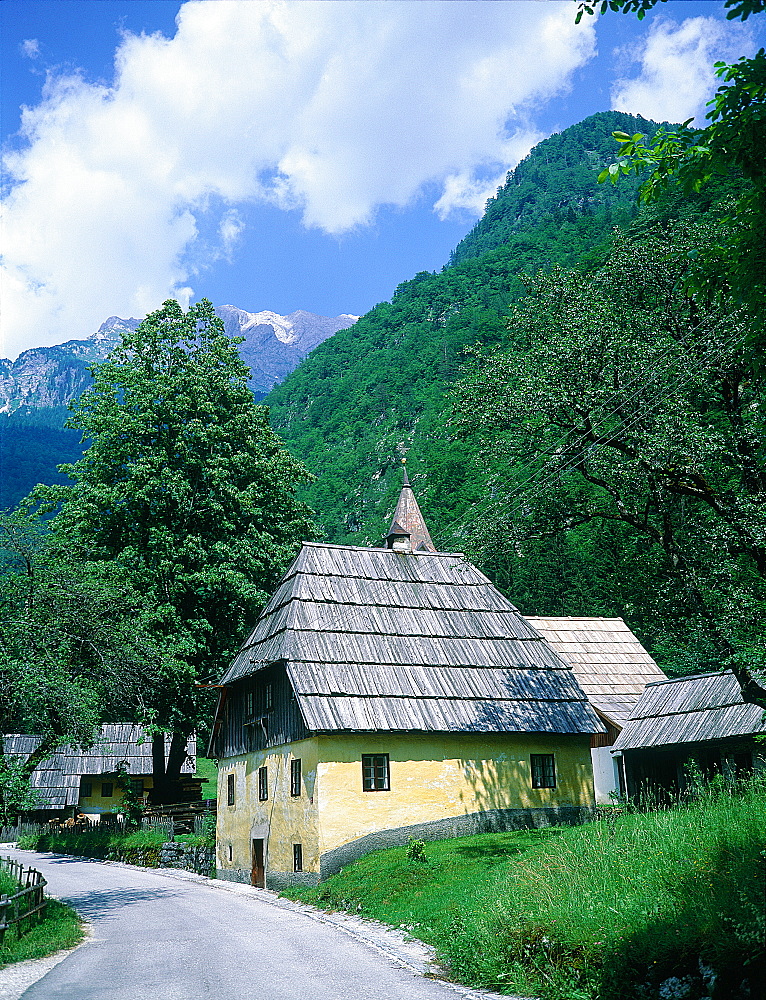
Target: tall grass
(614, 909)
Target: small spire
(408, 531)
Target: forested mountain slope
(378, 391)
(559, 522)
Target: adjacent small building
(612, 668)
(698, 722)
(83, 781)
(386, 693)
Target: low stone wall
(187, 857)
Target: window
(137, 786)
(249, 706)
(269, 697)
(543, 770)
(376, 775)
(86, 789)
(263, 783)
(107, 789)
(295, 777)
(230, 790)
(297, 857)
(231, 853)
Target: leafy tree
(75, 648)
(619, 398)
(732, 144)
(190, 495)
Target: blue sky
(307, 154)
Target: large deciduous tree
(620, 398)
(189, 493)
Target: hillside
(377, 391)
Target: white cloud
(331, 108)
(677, 76)
(30, 48)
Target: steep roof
(58, 778)
(690, 710)
(408, 520)
(375, 639)
(612, 666)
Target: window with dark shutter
(107, 789)
(86, 789)
(376, 774)
(263, 783)
(543, 770)
(295, 777)
(230, 790)
(297, 857)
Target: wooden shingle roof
(612, 666)
(57, 779)
(690, 710)
(374, 639)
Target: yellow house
(83, 781)
(388, 693)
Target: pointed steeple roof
(408, 522)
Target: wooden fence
(28, 904)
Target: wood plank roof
(58, 778)
(690, 710)
(612, 666)
(375, 639)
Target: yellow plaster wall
(437, 776)
(282, 820)
(96, 803)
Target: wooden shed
(699, 721)
(387, 693)
(82, 780)
(613, 668)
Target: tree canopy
(186, 491)
(618, 398)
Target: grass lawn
(612, 910)
(423, 897)
(208, 770)
(61, 928)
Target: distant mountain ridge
(274, 345)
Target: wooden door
(258, 877)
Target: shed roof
(375, 639)
(690, 710)
(612, 666)
(58, 778)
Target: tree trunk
(166, 776)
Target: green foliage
(424, 898)
(136, 847)
(132, 802)
(608, 910)
(61, 928)
(377, 390)
(553, 191)
(416, 851)
(732, 144)
(33, 443)
(16, 795)
(188, 494)
(618, 907)
(75, 640)
(619, 401)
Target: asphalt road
(159, 937)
